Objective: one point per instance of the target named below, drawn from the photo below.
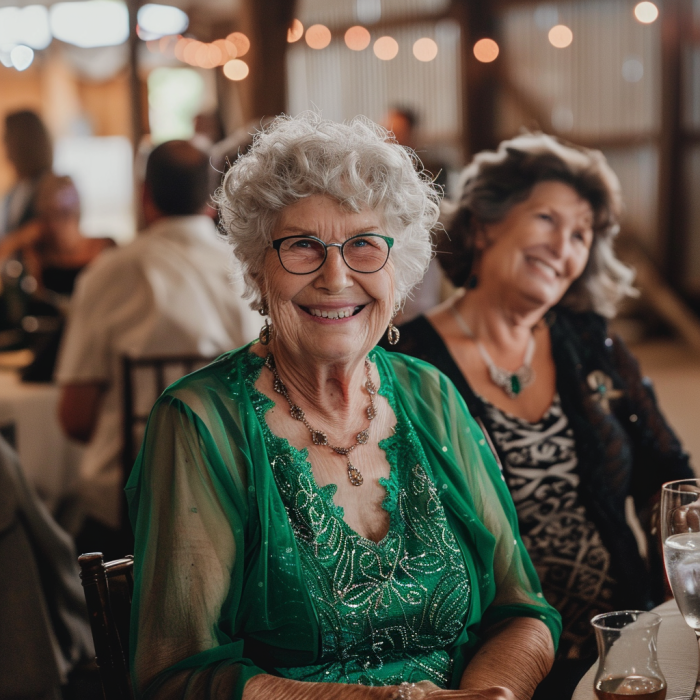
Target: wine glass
(680, 534)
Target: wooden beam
(672, 224)
(264, 91)
(135, 86)
(478, 20)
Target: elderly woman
(576, 428)
(315, 517)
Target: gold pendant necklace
(318, 437)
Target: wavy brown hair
(497, 180)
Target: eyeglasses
(302, 255)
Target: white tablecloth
(49, 459)
(677, 652)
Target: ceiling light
(28, 25)
(90, 24)
(156, 21)
(22, 57)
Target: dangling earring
(392, 332)
(472, 281)
(267, 330)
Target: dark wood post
(264, 91)
(675, 19)
(135, 87)
(478, 20)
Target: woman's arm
(527, 645)
(272, 688)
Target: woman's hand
(495, 693)
(425, 690)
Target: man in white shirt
(168, 293)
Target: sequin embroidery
(388, 611)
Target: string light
(386, 48)
(646, 12)
(560, 36)
(357, 38)
(486, 50)
(295, 32)
(190, 52)
(227, 48)
(21, 57)
(236, 69)
(425, 49)
(240, 41)
(318, 36)
(180, 47)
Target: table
(49, 459)
(678, 656)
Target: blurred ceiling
(225, 8)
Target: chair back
(145, 379)
(108, 589)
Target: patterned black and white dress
(566, 549)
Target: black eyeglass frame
(387, 239)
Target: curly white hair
(356, 163)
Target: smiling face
(540, 247)
(333, 314)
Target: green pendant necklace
(511, 382)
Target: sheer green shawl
(219, 591)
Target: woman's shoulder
(225, 377)
(413, 376)
(587, 325)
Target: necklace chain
(318, 437)
(511, 382)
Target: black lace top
(540, 468)
(624, 446)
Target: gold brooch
(603, 390)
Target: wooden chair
(150, 375)
(108, 589)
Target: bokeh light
(560, 36)
(318, 36)
(90, 24)
(180, 47)
(190, 52)
(21, 57)
(295, 32)
(632, 69)
(386, 48)
(241, 42)
(236, 69)
(357, 38)
(486, 50)
(227, 49)
(28, 26)
(156, 21)
(646, 12)
(167, 44)
(425, 49)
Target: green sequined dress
(245, 565)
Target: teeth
(546, 268)
(341, 313)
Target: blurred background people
(61, 251)
(29, 149)
(167, 293)
(45, 632)
(575, 426)
(53, 250)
